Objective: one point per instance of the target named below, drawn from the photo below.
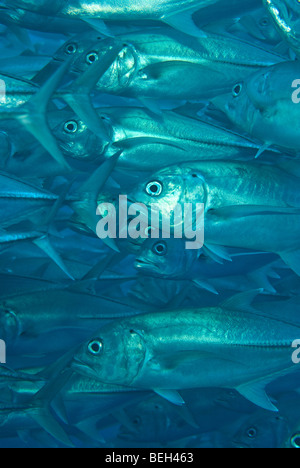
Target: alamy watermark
(137, 221)
(296, 354)
(2, 352)
(296, 93)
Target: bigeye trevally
(231, 346)
(177, 13)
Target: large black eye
(95, 347)
(160, 248)
(252, 433)
(237, 89)
(154, 189)
(264, 22)
(91, 58)
(295, 441)
(71, 126)
(137, 421)
(71, 49)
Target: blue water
(89, 112)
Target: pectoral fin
(205, 285)
(99, 26)
(78, 94)
(33, 116)
(292, 259)
(183, 21)
(151, 105)
(217, 253)
(171, 395)
(44, 244)
(263, 148)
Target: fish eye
(237, 89)
(71, 126)
(71, 49)
(160, 248)
(154, 189)
(91, 58)
(252, 433)
(264, 21)
(295, 441)
(95, 347)
(137, 421)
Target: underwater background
(122, 325)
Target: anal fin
(256, 393)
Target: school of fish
(140, 337)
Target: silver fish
(177, 13)
(216, 347)
(148, 142)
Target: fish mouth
(83, 368)
(144, 265)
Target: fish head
(236, 105)
(124, 69)
(165, 191)
(149, 421)
(286, 16)
(268, 86)
(115, 355)
(267, 29)
(166, 258)
(74, 137)
(261, 430)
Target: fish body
(108, 9)
(171, 138)
(40, 22)
(168, 258)
(167, 11)
(276, 232)
(42, 311)
(189, 349)
(167, 65)
(18, 92)
(157, 420)
(218, 184)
